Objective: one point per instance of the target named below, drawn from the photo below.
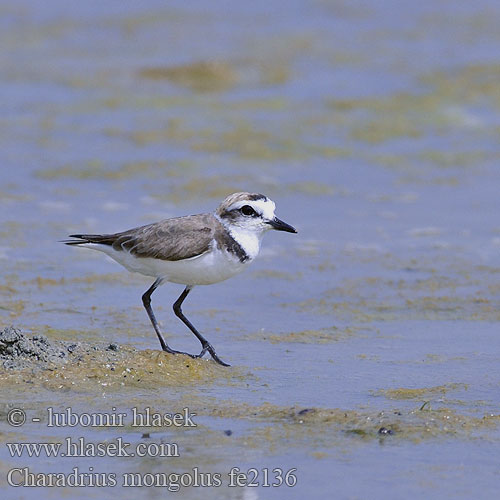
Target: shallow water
(374, 127)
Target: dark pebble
(385, 430)
(304, 411)
(228, 432)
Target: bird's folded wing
(172, 239)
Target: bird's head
(250, 212)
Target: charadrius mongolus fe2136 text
(192, 250)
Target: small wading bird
(192, 250)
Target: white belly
(206, 269)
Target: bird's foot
(172, 351)
(208, 347)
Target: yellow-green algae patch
(446, 104)
(421, 393)
(123, 370)
(85, 367)
(13, 307)
(461, 294)
(176, 130)
(87, 279)
(281, 275)
(317, 426)
(146, 369)
(72, 334)
(320, 336)
(275, 429)
(472, 83)
(248, 141)
(219, 186)
(200, 76)
(216, 187)
(97, 170)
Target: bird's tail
(88, 238)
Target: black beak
(279, 225)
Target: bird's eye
(247, 210)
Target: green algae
(251, 142)
(421, 393)
(320, 336)
(439, 290)
(328, 426)
(119, 278)
(384, 129)
(14, 308)
(280, 275)
(175, 130)
(97, 170)
(97, 367)
(441, 107)
(311, 188)
(472, 83)
(216, 188)
(201, 76)
(279, 430)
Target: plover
(192, 250)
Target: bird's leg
(205, 344)
(146, 300)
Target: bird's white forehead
(265, 207)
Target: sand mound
(83, 365)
